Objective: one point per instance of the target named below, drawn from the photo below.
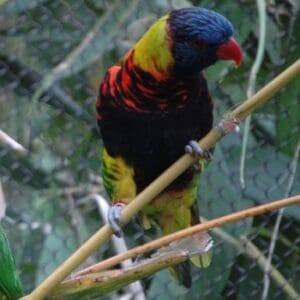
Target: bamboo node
(228, 124)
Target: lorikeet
(153, 105)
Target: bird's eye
(197, 43)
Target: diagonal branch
(227, 219)
(93, 282)
(99, 284)
(11, 144)
(159, 184)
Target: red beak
(231, 51)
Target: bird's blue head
(199, 37)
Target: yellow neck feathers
(152, 53)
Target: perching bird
(153, 107)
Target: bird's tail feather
(182, 274)
(198, 246)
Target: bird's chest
(137, 134)
(151, 142)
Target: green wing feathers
(118, 178)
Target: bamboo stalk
(98, 284)
(159, 184)
(246, 108)
(227, 219)
(11, 144)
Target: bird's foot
(114, 218)
(228, 124)
(194, 149)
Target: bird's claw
(114, 218)
(194, 149)
(228, 125)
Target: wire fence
(53, 54)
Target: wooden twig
(243, 245)
(98, 284)
(86, 284)
(227, 219)
(11, 144)
(159, 184)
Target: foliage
(10, 285)
(53, 54)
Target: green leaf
(95, 43)
(287, 118)
(61, 241)
(30, 241)
(267, 176)
(273, 42)
(10, 284)
(56, 97)
(165, 288)
(24, 170)
(180, 4)
(14, 7)
(267, 172)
